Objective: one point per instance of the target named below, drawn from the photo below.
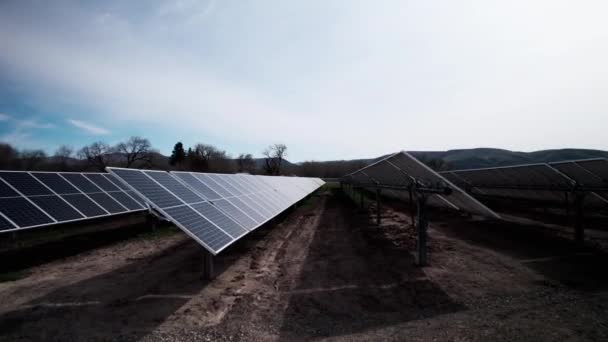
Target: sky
(331, 79)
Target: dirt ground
(324, 272)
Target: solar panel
(85, 205)
(25, 183)
(56, 183)
(5, 224)
(101, 182)
(23, 213)
(36, 199)
(236, 214)
(56, 207)
(107, 202)
(200, 228)
(197, 185)
(80, 182)
(174, 186)
(400, 170)
(147, 187)
(125, 200)
(214, 215)
(7, 191)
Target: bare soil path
(325, 272)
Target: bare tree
(62, 157)
(32, 159)
(96, 155)
(209, 158)
(274, 156)
(245, 163)
(9, 157)
(135, 150)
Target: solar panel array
(216, 209)
(541, 182)
(37, 199)
(401, 170)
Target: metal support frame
(378, 217)
(579, 225)
(208, 273)
(421, 227)
(412, 208)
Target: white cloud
(4, 117)
(340, 80)
(89, 128)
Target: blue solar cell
(56, 207)
(173, 185)
(137, 198)
(107, 202)
(85, 205)
(147, 187)
(247, 209)
(101, 181)
(116, 181)
(81, 182)
(6, 191)
(220, 219)
(22, 212)
(197, 185)
(125, 200)
(5, 224)
(213, 185)
(198, 226)
(257, 206)
(221, 180)
(56, 183)
(25, 183)
(236, 214)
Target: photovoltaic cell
(125, 200)
(236, 214)
(25, 183)
(107, 202)
(197, 185)
(213, 185)
(175, 186)
(116, 181)
(221, 180)
(197, 225)
(247, 209)
(81, 182)
(101, 181)
(147, 187)
(220, 219)
(56, 207)
(22, 212)
(6, 191)
(5, 225)
(56, 183)
(85, 205)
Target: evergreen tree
(178, 155)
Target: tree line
(137, 152)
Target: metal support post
(361, 198)
(579, 225)
(421, 226)
(412, 208)
(378, 206)
(208, 265)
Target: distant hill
(491, 157)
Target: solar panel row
(216, 209)
(540, 182)
(402, 170)
(35, 199)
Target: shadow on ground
(130, 301)
(558, 258)
(354, 279)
